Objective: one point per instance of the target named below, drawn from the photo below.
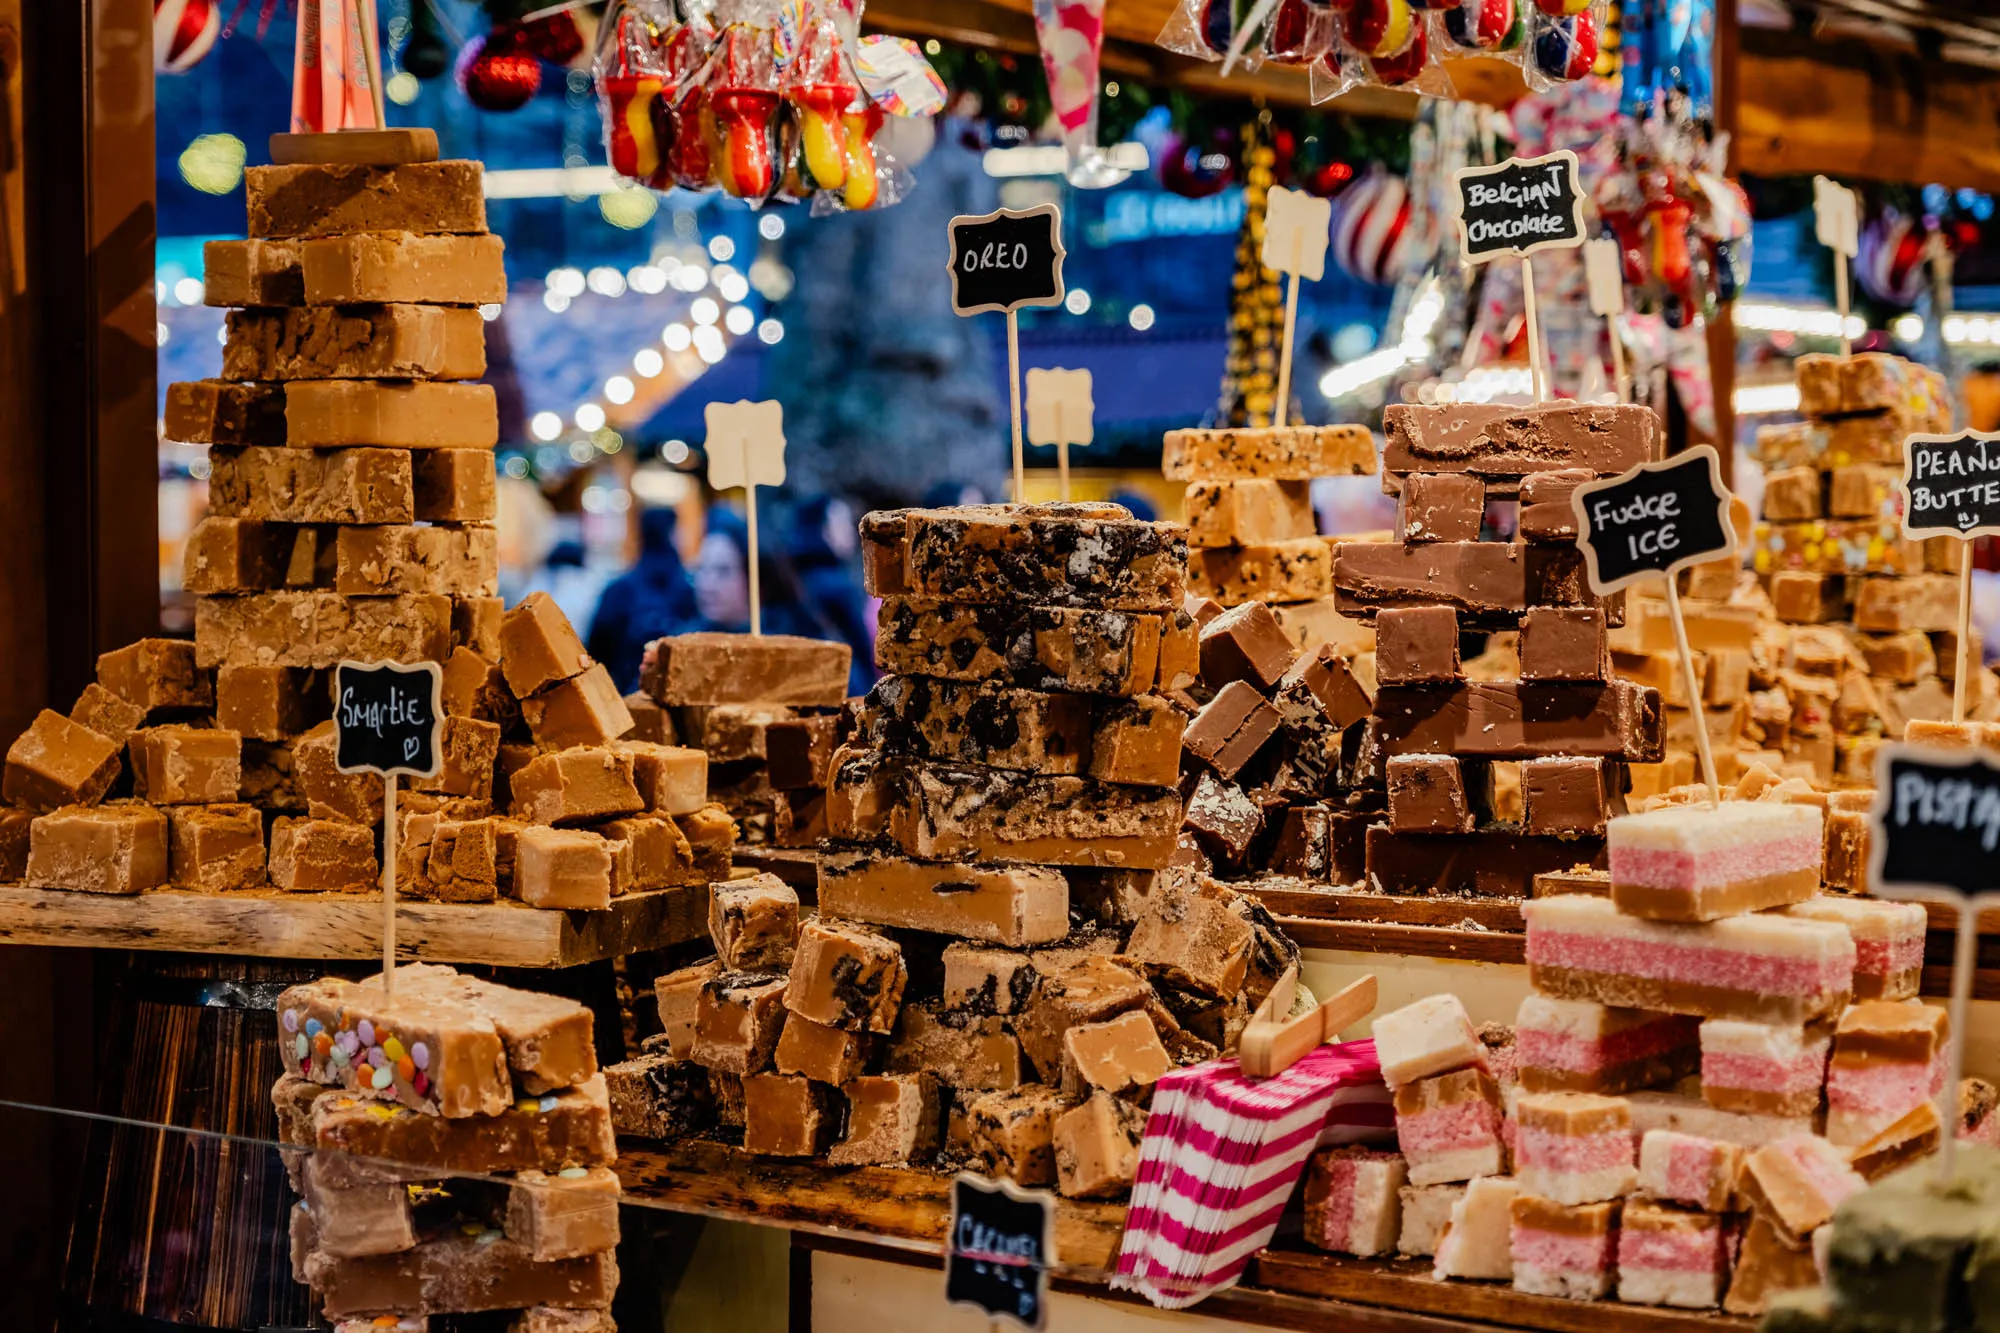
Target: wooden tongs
(1272, 1043)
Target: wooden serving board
(272, 924)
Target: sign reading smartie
(387, 719)
(1658, 518)
(1522, 205)
(1007, 260)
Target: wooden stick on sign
(1604, 269)
(1014, 402)
(389, 886)
(1059, 412)
(746, 448)
(1701, 743)
(1837, 226)
(372, 51)
(1296, 227)
(1536, 375)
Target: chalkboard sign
(1657, 518)
(999, 1248)
(1935, 823)
(1522, 205)
(387, 718)
(1951, 484)
(1006, 260)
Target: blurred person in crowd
(825, 548)
(652, 598)
(722, 583)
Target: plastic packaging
(1565, 40)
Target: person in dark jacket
(652, 598)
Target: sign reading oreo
(1007, 259)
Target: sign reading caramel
(1658, 518)
(999, 1248)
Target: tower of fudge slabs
(1000, 967)
(1433, 739)
(452, 1148)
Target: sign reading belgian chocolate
(1656, 519)
(1951, 485)
(387, 718)
(1007, 259)
(999, 1248)
(1522, 205)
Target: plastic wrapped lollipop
(1566, 48)
(630, 78)
(1487, 25)
(820, 85)
(681, 109)
(741, 82)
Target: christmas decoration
(500, 80)
(184, 31)
(1256, 307)
(1371, 228)
(1892, 267)
(555, 38)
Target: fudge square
(1574, 1147)
(1351, 1200)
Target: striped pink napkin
(1221, 1157)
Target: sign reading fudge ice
(997, 1253)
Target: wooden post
(372, 51)
(1964, 635)
(1014, 400)
(1694, 691)
(1062, 455)
(756, 591)
(1536, 375)
(1964, 958)
(1291, 323)
(389, 887)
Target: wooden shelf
(271, 924)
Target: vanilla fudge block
(678, 995)
(270, 703)
(1293, 571)
(585, 709)
(1015, 905)
(1761, 968)
(387, 414)
(374, 561)
(987, 980)
(950, 812)
(965, 1050)
(322, 856)
(1796, 1183)
(439, 1056)
(1013, 1133)
(118, 848)
(415, 342)
(564, 1215)
(109, 715)
(454, 486)
(1351, 1201)
(1888, 941)
(1888, 1056)
(1688, 1170)
(216, 848)
(1249, 512)
(715, 668)
(382, 267)
(1432, 1036)
(1763, 1068)
(1576, 1046)
(57, 762)
(1477, 1239)
(1671, 1256)
(1425, 1210)
(157, 674)
(320, 629)
(821, 1053)
(1563, 1249)
(1687, 1113)
(1287, 453)
(660, 1096)
(1448, 1127)
(754, 924)
(1698, 863)
(311, 486)
(538, 646)
(846, 978)
(785, 1116)
(1063, 555)
(737, 1021)
(571, 786)
(980, 724)
(469, 1270)
(251, 273)
(1573, 1147)
(183, 765)
(1120, 1055)
(576, 868)
(549, 1039)
(1080, 649)
(892, 1119)
(329, 199)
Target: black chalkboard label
(387, 718)
(1951, 484)
(1006, 260)
(1522, 205)
(1935, 823)
(999, 1248)
(1657, 518)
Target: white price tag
(1059, 407)
(1836, 217)
(1604, 267)
(746, 444)
(1296, 227)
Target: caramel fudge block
(1015, 905)
(564, 1215)
(216, 848)
(232, 555)
(320, 629)
(1282, 453)
(1505, 720)
(568, 868)
(301, 486)
(354, 342)
(754, 924)
(660, 1096)
(1865, 382)
(787, 1116)
(661, 855)
(182, 765)
(965, 1050)
(672, 779)
(157, 674)
(1097, 1147)
(1013, 1133)
(1062, 555)
(1792, 494)
(251, 273)
(118, 848)
(572, 786)
(1249, 513)
(1487, 582)
(586, 709)
(677, 996)
(798, 751)
(892, 1120)
(332, 199)
(738, 1018)
(984, 980)
(1503, 444)
(1440, 507)
(337, 414)
(538, 646)
(222, 412)
(948, 812)
(351, 1034)
(14, 833)
(464, 861)
(1927, 602)
(716, 668)
(355, 1220)
(469, 1271)
(1119, 1055)
(548, 1039)
(57, 762)
(1078, 649)
(322, 856)
(549, 1319)
(979, 724)
(454, 485)
(711, 836)
(329, 793)
(846, 978)
(1201, 943)
(109, 715)
(270, 703)
(384, 267)
(569, 1128)
(1292, 571)
(374, 561)
(1091, 989)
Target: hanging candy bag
(1565, 41)
(631, 77)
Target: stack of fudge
(1831, 548)
(1428, 753)
(766, 710)
(1000, 966)
(1252, 533)
(453, 1151)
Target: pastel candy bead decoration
(366, 1031)
(382, 1078)
(1405, 66)
(1481, 24)
(1378, 28)
(291, 1020)
(1567, 48)
(420, 1052)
